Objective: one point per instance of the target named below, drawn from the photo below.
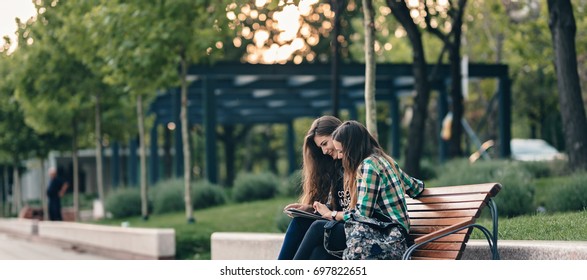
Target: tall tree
(106, 99)
(563, 29)
(128, 41)
(452, 42)
(144, 57)
(194, 29)
(51, 85)
(416, 137)
(18, 140)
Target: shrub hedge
(517, 196)
(292, 186)
(168, 196)
(250, 186)
(570, 195)
(124, 202)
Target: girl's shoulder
(376, 161)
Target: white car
(534, 150)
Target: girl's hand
(323, 210)
(302, 207)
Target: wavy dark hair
(319, 171)
(357, 144)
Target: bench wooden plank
(447, 198)
(449, 238)
(447, 213)
(448, 246)
(437, 222)
(437, 254)
(445, 206)
(491, 188)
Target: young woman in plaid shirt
(374, 181)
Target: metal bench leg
(494, 220)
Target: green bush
(86, 201)
(427, 170)
(249, 186)
(571, 195)
(206, 194)
(124, 202)
(517, 196)
(168, 196)
(292, 186)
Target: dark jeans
(312, 246)
(293, 237)
(55, 209)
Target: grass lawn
(193, 240)
(569, 226)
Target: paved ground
(13, 248)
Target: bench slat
(437, 254)
(437, 222)
(429, 259)
(414, 215)
(491, 188)
(451, 246)
(445, 206)
(447, 198)
(428, 229)
(450, 238)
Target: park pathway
(13, 248)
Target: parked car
(534, 150)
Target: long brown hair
(318, 169)
(357, 144)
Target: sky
(11, 9)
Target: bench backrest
(438, 209)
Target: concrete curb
(110, 241)
(528, 250)
(266, 246)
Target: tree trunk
(167, 160)
(563, 29)
(6, 208)
(3, 194)
(187, 166)
(370, 66)
(230, 152)
(456, 92)
(248, 161)
(16, 189)
(337, 6)
(143, 159)
(98, 132)
(74, 158)
(43, 189)
(422, 85)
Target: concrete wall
(24, 227)
(135, 243)
(112, 241)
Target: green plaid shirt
(379, 190)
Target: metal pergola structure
(236, 93)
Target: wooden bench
(443, 218)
